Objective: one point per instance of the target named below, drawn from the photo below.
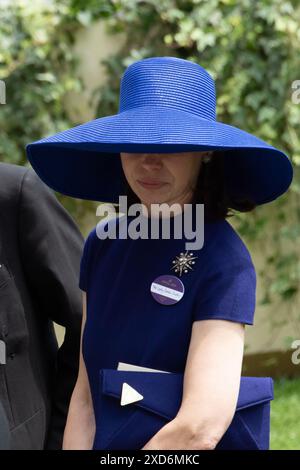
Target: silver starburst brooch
(183, 262)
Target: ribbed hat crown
(168, 82)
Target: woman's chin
(152, 197)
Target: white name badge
(167, 289)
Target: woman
(165, 146)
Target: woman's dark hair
(211, 191)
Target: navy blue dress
(125, 323)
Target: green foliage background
(250, 48)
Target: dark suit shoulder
(11, 177)
(15, 178)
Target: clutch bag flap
(151, 399)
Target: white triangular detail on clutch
(129, 394)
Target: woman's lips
(150, 185)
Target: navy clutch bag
(133, 405)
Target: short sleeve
(228, 292)
(84, 263)
(90, 250)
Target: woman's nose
(151, 161)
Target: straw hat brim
(83, 162)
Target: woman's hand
(180, 435)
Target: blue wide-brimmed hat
(167, 105)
